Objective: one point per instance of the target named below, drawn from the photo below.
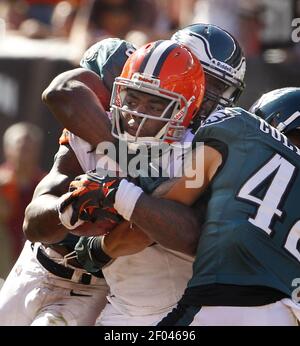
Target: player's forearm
(41, 222)
(169, 223)
(89, 78)
(125, 240)
(78, 109)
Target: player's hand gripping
(92, 198)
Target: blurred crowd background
(41, 38)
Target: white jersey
(148, 282)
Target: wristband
(126, 198)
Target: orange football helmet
(165, 69)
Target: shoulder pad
(221, 115)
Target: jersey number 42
(282, 173)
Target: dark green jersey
(251, 235)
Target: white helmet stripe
(155, 56)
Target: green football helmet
(221, 57)
(280, 108)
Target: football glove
(92, 198)
(90, 254)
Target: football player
(248, 257)
(126, 306)
(166, 61)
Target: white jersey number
(281, 172)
